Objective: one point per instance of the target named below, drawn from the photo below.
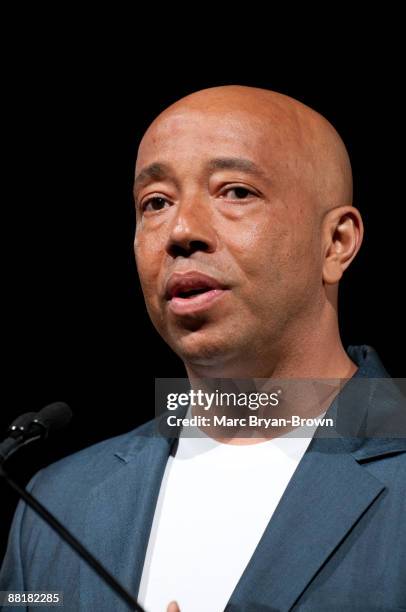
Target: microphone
(53, 417)
(33, 426)
(36, 426)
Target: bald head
(301, 142)
(253, 190)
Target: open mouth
(189, 293)
(192, 291)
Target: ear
(343, 231)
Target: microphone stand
(72, 542)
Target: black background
(74, 323)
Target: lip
(179, 284)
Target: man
(245, 226)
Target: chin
(202, 348)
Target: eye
(240, 192)
(154, 204)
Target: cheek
(249, 236)
(260, 249)
(276, 262)
(148, 255)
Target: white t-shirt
(214, 504)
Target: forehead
(192, 137)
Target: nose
(192, 229)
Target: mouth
(192, 292)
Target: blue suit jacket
(336, 542)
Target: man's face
(227, 241)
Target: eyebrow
(235, 163)
(160, 171)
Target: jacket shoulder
(84, 469)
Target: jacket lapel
(326, 496)
(119, 518)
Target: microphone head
(19, 426)
(54, 416)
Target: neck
(307, 351)
(316, 353)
